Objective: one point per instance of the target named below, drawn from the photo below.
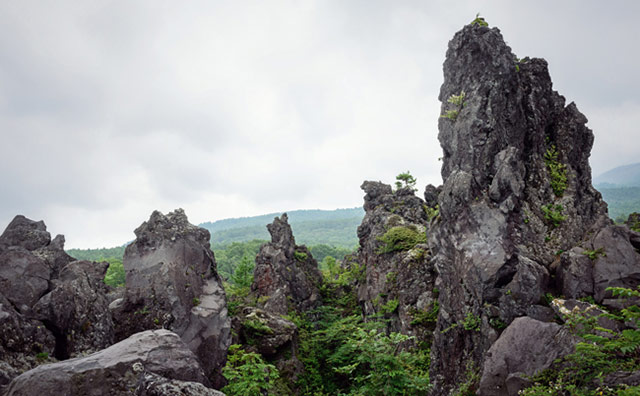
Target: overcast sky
(111, 109)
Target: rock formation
(399, 275)
(517, 193)
(144, 361)
(172, 283)
(50, 305)
(286, 276)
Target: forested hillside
(311, 227)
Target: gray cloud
(109, 110)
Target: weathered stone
(574, 274)
(155, 385)
(24, 278)
(565, 309)
(115, 370)
(505, 371)
(505, 210)
(25, 233)
(286, 275)
(397, 284)
(171, 282)
(619, 263)
(76, 310)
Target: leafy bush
(594, 254)
(553, 214)
(248, 374)
(405, 180)
(471, 322)
(557, 171)
(479, 21)
(401, 238)
(458, 102)
(300, 256)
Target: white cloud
(109, 110)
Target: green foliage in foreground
(248, 374)
(601, 352)
(346, 356)
(553, 214)
(401, 238)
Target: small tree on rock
(406, 180)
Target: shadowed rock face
(286, 275)
(115, 370)
(405, 275)
(50, 305)
(505, 209)
(171, 282)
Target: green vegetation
(390, 306)
(406, 180)
(300, 256)
(401, 238)
(471, 322)
(601, 352)
(553, 214)
(115, 275)
(479, 21)
(311, 227)
(458, 102)
(248, 374)
(557, 171)
(427, 317)
(622, 201)
(41, 356)
(97, 254)
(594, 254)
(346, 356)
(195, 302)
(432, 212)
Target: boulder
(172, 283)
(155, 385)
(285, 276)
(116, 370)
(505, 372)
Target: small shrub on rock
(401, 238)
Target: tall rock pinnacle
(517, 191)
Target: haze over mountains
(620, 188)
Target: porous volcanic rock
(50, 305)
(116, 370)
(505, 372)
(517, 192)
(172, 282)
(398, 283)
(77, 310)
(286, 275)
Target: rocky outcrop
(285, 276)
(77, 310)
(517, 193)
(272, 336)
(117, 370)
(50, 305)
(399, 276)
(172, 283)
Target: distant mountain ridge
(311, 227)
(620, 188)
(621, 176)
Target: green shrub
(458, 102)
(390, 306)
(471, 322)
(594, 254)
(248, 374)
(115, 276)
(557, 171)
(553, 214)
(479, 21)
(300, 256)
(401, 238)
(426, 317)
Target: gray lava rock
(286, 275)
(154, 385)
(77, 310)
(505, 371)
(116, 370)
(171, 282)
(505, 210)
(25, 233)
(397, 284)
